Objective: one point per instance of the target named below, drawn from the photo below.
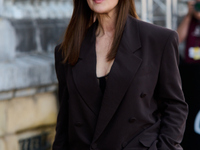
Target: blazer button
(131, 120)
(143, 95)
(78, 124)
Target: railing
(160, 10)
(154, 11)
(35, 9)
(38, 142)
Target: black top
(102, 82)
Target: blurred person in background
(189, 31)
(119, 83)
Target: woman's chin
(100, 11)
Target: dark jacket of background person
(143, 105)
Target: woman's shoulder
(57, 48)
(58, 53)
(147, 29)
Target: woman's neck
(108, 22)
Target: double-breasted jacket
(143, 106)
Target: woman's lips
(98, 1)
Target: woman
(119, 84)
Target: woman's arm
(171, 102)
(61, 138)
(184, 26)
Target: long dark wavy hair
(82, 18)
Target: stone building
(30, 29)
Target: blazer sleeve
(170, 97)
(61, 138)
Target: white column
(1, 7)
(144, 10)
(1, 2)
(169, 14)
(174, 14)
(150, 10)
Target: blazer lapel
(84, 72)
(121, 74)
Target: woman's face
(102, 6)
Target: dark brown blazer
(143, 107)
